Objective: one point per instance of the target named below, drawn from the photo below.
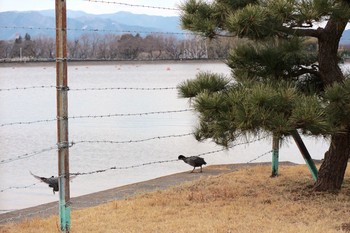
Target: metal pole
(275, 155)
(62, 114)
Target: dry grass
(243, 201)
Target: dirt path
(119, 193)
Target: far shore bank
(111, 62)
(105, 62)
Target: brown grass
(243, 201)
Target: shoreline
(125, 191)
(113, 62)
(105, 62)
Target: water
(40, 104)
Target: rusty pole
(62, 114)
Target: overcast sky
(98, 7)
(95, 7)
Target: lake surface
(163, 129)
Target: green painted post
(62, 114)
(306, 155)
(275, 155)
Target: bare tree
(196, 48)
(174, 47)
(73, 48)
(5, 49)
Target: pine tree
(281, 82)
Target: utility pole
(62, 114)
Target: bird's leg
(201, 169)
(193, 169)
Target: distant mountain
(37, 23)
(13, 23)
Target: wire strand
(130, 167)
(260, 156)
(28, 155)
(18, 187)
(98, 116)
(165, 161)
(101, 30)
(124, 88)
(92, 88)
(133, 141)
(133, 5)
(70, 144)
(121, 168)
(26, 88)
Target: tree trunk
(328, 42)
(331, 173)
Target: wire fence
(72, 143)
(92, 203)
(137, 165)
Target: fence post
(62, 114)
(275, 155)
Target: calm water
(40, 104)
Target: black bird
(194, 161)
(52, 181)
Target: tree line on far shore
(118, 47)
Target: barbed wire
(100, 30)
(137, 165)
(98, 116)
(95, 172)
(260, 156)
(70, 144)
(133, 141)
(133, 5)
(27, 122)
(163, 161)
(19, 187)
(26, 88)
(123, 88)
(92, 88)
(121, 168)
(28, 155)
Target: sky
(98, 6)
(94, 7)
